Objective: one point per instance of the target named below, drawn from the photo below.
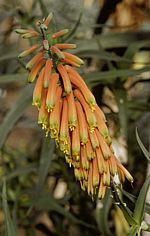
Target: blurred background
(43, 197)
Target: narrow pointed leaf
(141, 202)
(48, 147)
(102, 213)
(101, 54)
(74, 29)
(47, 202)
(145, 152)
(133, 199)
(108, 77)
(126, 211)
(133, 231)
(15, 113)
(10, 229)
(13, 78)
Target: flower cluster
(68, 110)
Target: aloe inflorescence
(68, 110)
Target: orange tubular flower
(48, 19)
(94, 140)
(73, 58)
(96, 175)
(89, 150)
(68, 61)
(43, 114)
(100, 160)
(82, 124)
(51, 94)
(47, 73)
(104, 147)
(90, 116)
(27, 33)
(72, 114)
(55, 116)
(65, 78)
(76, 143)
(29, 51)
(36, 68)
(34, 60)
(68, 111)
(84, 161)
(65, 45)
(90, 188)
(112, 165)
(102, 190)
(77, 80)
(64, 131)
(37, 94)
(60, 33)
(58, 52)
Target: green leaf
(10, 229)
(133, 199)
(145, 152)
(113, 40)
(126, 211)
(48, 147)
(141, 106)
(74, 29)
(141, 202)
(21, 171)
(109, 77)
(47, 202)
(15, 113)
(8, 56)
(13, 78)
(133, 231)
(132, 49)
(101, 54)
(102, 213)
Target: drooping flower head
(68, 110)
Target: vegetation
(39, 193)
